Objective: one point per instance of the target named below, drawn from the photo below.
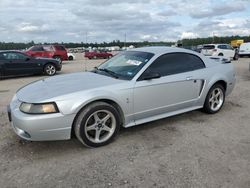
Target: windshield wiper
(110, 72)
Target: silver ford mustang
(132, 88)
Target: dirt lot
(188, 150)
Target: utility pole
(213, 38)
(86, 40)
(125, 38)
(86, 37)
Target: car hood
(46, 89)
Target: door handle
(189, 78)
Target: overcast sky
(107, 20)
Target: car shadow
(147, 134)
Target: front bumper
(43, 127)
(59, 67)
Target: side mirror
(150, 76)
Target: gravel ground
(189, 150)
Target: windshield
(125, 65)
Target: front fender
(74, 105)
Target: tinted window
(229, 47)
(222, 46)
(1, 56)
(13, 56)
(208, 47)
(60, 48)
(36, 48)
(175, 63)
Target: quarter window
(175, 63)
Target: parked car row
(60, 53)
(225, 50)
(98, 54)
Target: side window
(222, 47)
(37, 49)
(229, 47)
(48, 48)
(14, 56)
(61, 48)
(2, 56)
(175, 63)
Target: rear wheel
(215, 99)
(70, 58)
(50, 69)
(97, 124)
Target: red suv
(97, 54)
(58, 52)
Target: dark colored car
(98, 54)
(14, 63)
(58, 52)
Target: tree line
(183, 42)
(209, 40)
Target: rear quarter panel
(215, 72)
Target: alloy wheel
(100, 126)
(216, 99)
(50, 70)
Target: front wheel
(50, 69)
(215, 99)
(97, 124)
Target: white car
(219, 50)
(71, 56)
(244, 49)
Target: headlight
(45, 108)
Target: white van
(244, 49)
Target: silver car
(132, 88)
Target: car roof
(158, 50)
(7, 51)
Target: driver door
(18, 64)
(178, 87)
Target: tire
(236, 57)
(49, 69)
(70, 58)
(220, 54)
(97, 124)
(58, 58)
(215, 99)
